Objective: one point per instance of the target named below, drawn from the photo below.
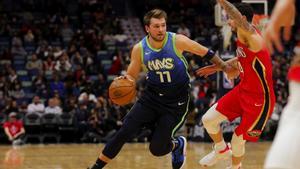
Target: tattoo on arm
(235, 14)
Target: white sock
(220, 145)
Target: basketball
(122, 91)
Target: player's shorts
(253, 108)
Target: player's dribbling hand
(207, 70)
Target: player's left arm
(184, 43)
(235, 15)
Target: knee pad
(212, 119)
(238, 145)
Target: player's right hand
(231, 72)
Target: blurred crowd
(62, 62)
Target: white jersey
(285, 150)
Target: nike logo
(147, 53)
(180, 103)
(258, 105)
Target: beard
(159, 37)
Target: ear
(147, 28)
(245, 18)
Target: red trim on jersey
(294, 73)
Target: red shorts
(253, 108)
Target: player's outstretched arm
(212, 69)
(134, 67)
(282, 15)
(183, 43)
(235, 15)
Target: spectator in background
(116, 65)
(36, 106)
(58, 85)
(49, 64)
(17, 47)
(16, 92)
(39, 85)
(66, 32)
(53, 108)
(34, 63)
(81, 115)
(63, 64)
(12, 77)
(29, 37)
(70, 105)
(23, 108)
(87, 96)
(12, 106)
(14, 129)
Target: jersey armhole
(178, 54)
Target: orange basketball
(122, 91)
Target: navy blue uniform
(163, 103)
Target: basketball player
(252, 99)
(165, 100)
(279, 156)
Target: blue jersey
(165, 67)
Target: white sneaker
(213, 157)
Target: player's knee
(157, 149)
(211, 120)
(238, 145)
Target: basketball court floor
(132, 156)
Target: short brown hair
(154, 13)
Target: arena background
(58, 57)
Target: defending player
(252, 99)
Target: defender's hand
(231, 72)
(207, 70)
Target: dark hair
(245, 9)
(154, 13)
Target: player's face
(157, 29)
(232, 25)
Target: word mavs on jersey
(157, 64)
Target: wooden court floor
(132, 156)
